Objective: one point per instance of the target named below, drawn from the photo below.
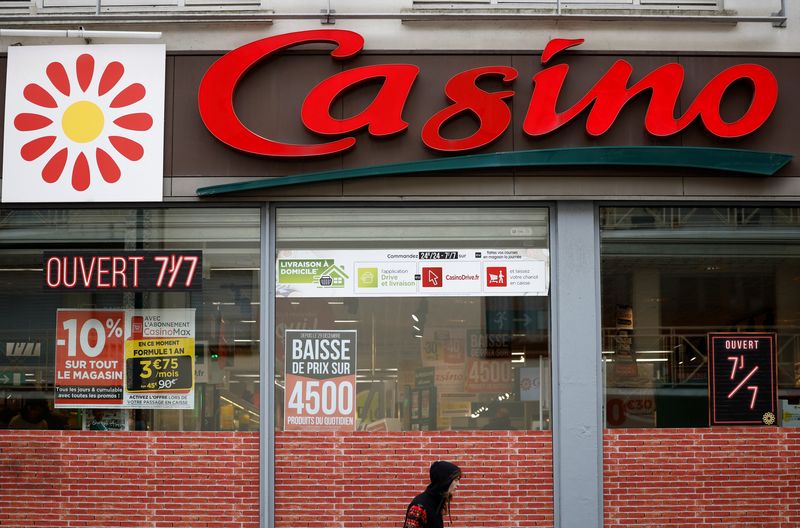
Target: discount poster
(89, 363)
(320, 380)
(125, 358)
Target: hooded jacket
(426, 510)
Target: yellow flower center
(82, 122)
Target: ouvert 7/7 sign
(383, 116)
(742, 378)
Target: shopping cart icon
(496, 276)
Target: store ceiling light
(79, 33)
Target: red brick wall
(366, 479)
(702, 478)
(135, 479)
(683, 478)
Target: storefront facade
(573, 273)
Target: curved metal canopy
(717, 159)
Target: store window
(700, 315)
(391, 319)
(129, 319)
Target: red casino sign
(384, 115)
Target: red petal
(80, 173)
(58, 76)
(135, 121)
(52, 171)
(128, 96)
(109, 169)
(33, 149)
(127, 147)
(26, 122)
(39, 96)
(84, 66)
(111, 75)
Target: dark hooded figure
(428, 508)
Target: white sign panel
(790, 414)
(410, 273)
(84, 124)
(530, 384)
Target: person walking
(428, 508)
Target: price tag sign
(159, 359)
(320, 380)
(141, 359)
(161, 365)
(89, 369)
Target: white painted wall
(400, 35)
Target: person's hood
(442, 475)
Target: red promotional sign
(383, 116)
(90, 347)
(320, 392)
(488, 363)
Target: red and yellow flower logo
(83, 121)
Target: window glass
(686, 293)
(129, 319)
(393, 319)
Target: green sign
(9, 378)
(323, 272)
(367, 277)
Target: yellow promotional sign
(159, 360)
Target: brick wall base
(367, 479)
(702, 478)
(70, 479)
(670, 478)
